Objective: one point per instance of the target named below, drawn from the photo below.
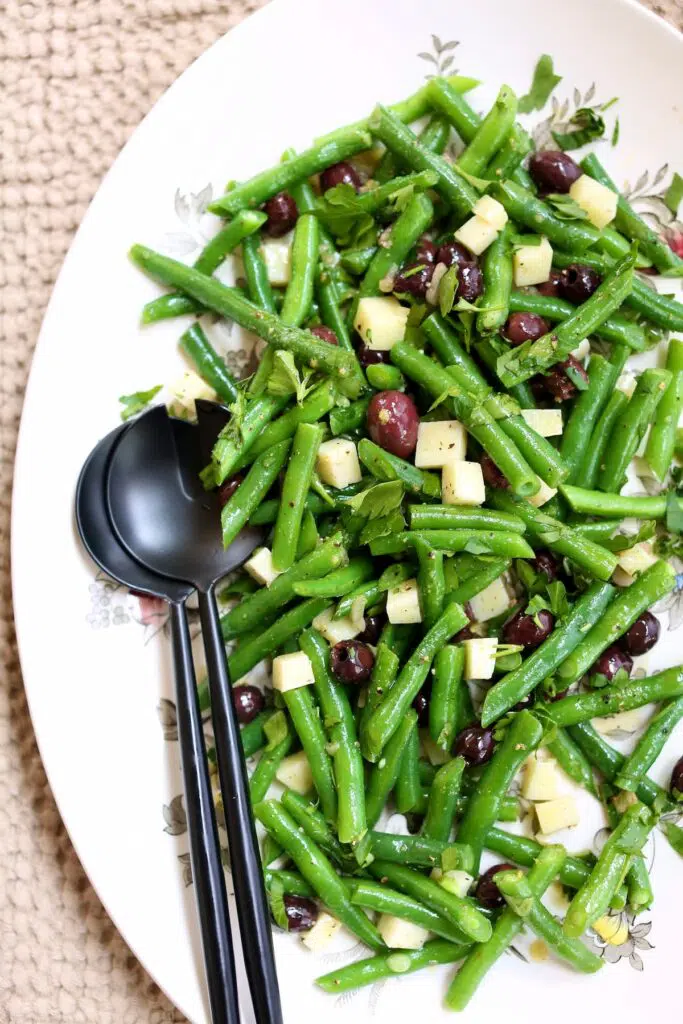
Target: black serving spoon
(105, 549)
(168, 522)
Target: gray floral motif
(647, 197)
(561, 114)
(190, 209)
(175, 816)
(621, 938)
(673, 602)
(441, 57)
(168, 717)
(109, 603)
(186, 866)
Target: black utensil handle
(205, 853)
(250, 896)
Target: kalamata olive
(528, 630)
(546, 562)
(228, 488)
(470, 282)
(551, 287)
(282, 213)
(492, 475)
(392, 421)
(487, 892)
(351, 661)
(373, 628)
(453, 252)
(414, 279)
(370, 356)
(610, 662)
(521, 327)
(676, 786)
(248, 702)
(339, 174)
(559, 384)
(643, 634)
(475, 744)
(421, 705)
(578, 283)
(302, 913)
(426, 250)
(553, 170)
(325, 334)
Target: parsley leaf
(276, 729)
(587, 125)
(622, 541)
(537, 604)
(276, 898)
(135, 403)
(674, 833)
(557, 595)
(565, 207)
(615, 132)
(674, 193)
(448, 286)
(285, 378)
(542, 85)
(382, 526)
(481, 184)
(378, 500)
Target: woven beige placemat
(76, 76)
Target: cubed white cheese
(543, 494)
(435, 755)
(337, 462)
(439, 443)
(546, 422)
(623, 800)
(626, 383)
(582, 350)
(598, 201)
(462, 483)
(457, 882)
(260, 567)
(277, 256)
(493, 212)
(642, 468)
(294, 772)
(554, 815)
(403, 603)
(480, 657)
(322, 932)
(290, 671)
(185, 390)
(336, 630)
(612, 929)
(476, 234)
(637, 559)
(532, 264)
(381, 321)
(490, 602)
(541, 779)
(400, 934)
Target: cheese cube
(612, 929)
(277, 256)
(493, 212)
(582, 350)
(554, 815)
(456, 882)
(626, 383)
(290, 671)
(435, 755)
(403, 603)
(543, 494)
(294, 772)
(322, 932)
(439, 443)
(476, 234)
(337, 462)
(623, 800)
(400, 934)
(490, 602)
(480, 657)
(540, 779)
(185, 390)
(260, 567)
(381, 322)
(546, 422)
(532, 264)
(335, 630)
(462, 483)
(637, 559)
(598, 201)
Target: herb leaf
(615, 132)
(675, 836)
(135, 403)
(543, 83)
(276, 729)
(383, 526)
(674, 193)
(587, 126)
(576, 377)
(448, 286)
(276, 898)
(565, 207)
(285, 378)
(378, 500)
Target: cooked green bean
(585, 412)
(268, 641)
(574, 236)
(251, 492)
(572, 760)
(405, 231)
(292, 884)
(497, 269)
(611, 700)
(308, 727)
(256, 274)
(304, 264)
(234, 442)
(408, 789)
(615, 328)
(344, 419)
(391, 965)
(306, 814)
(610, 762)
(497, 542)
(208, 364)
(383, 377)
(383, 900)
(662, 440)
(459, 517)
(597, 503)
(492, 568)
(449, 703)
(491, 133)
(650, 745)
(416, 850)
(443, 797)
(264, 774)
(630, 426)
(385, 466)
(339, 582)
(294, 490)
(430, 581)
(385, 772)
(314, 407)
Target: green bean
(594, 455)
(384, 672)
(208, 364)
(373, 199)
(385, 466)
(488, 354)
(252, 735)
(629, 428)
(610, 762)
(443, 798)
(385, 772)
(234, 441)
(212, 255)
(316, 870)
(491, 570)
(413, 850)
(433, 896)
(330, 308)
(408, 789)
(600, 531)
(256, 273)
(625, 842)
(269, 640)
(521, 363)
(380, 898)
(585, 412)
(458, 517)
(386, 717)
(390, 965)
(559, 536)
(497, 269)
(384, 377)
(306, 720)
(436, 134)
(299, 293)
(346, 757)
(524, 208)
(640, 894)
(291, 883)
(662, 440)
(479, 423)
(521, 898)
(610, 700)
(508, 926)
(650, 745)
(457, 192)
(448, 701)
(629, 603)
(294, 490)
(630, 224)
(457, 110)
(405, 231)
(497, 542)
(525, 851)
(521, 738)
(264, 774)
(430, 581)
(616, 506)
(357, 261)
(542, 662)
(572, 760)
(312, 821)
(507, 161)
(308, 535)
(339, 582)
(614, 328)
(266, 513)
(337, 363)
(491, 133)
(344, 419)
(251, 492)
(373, 592)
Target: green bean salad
(452, 589)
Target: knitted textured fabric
(76, 77)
